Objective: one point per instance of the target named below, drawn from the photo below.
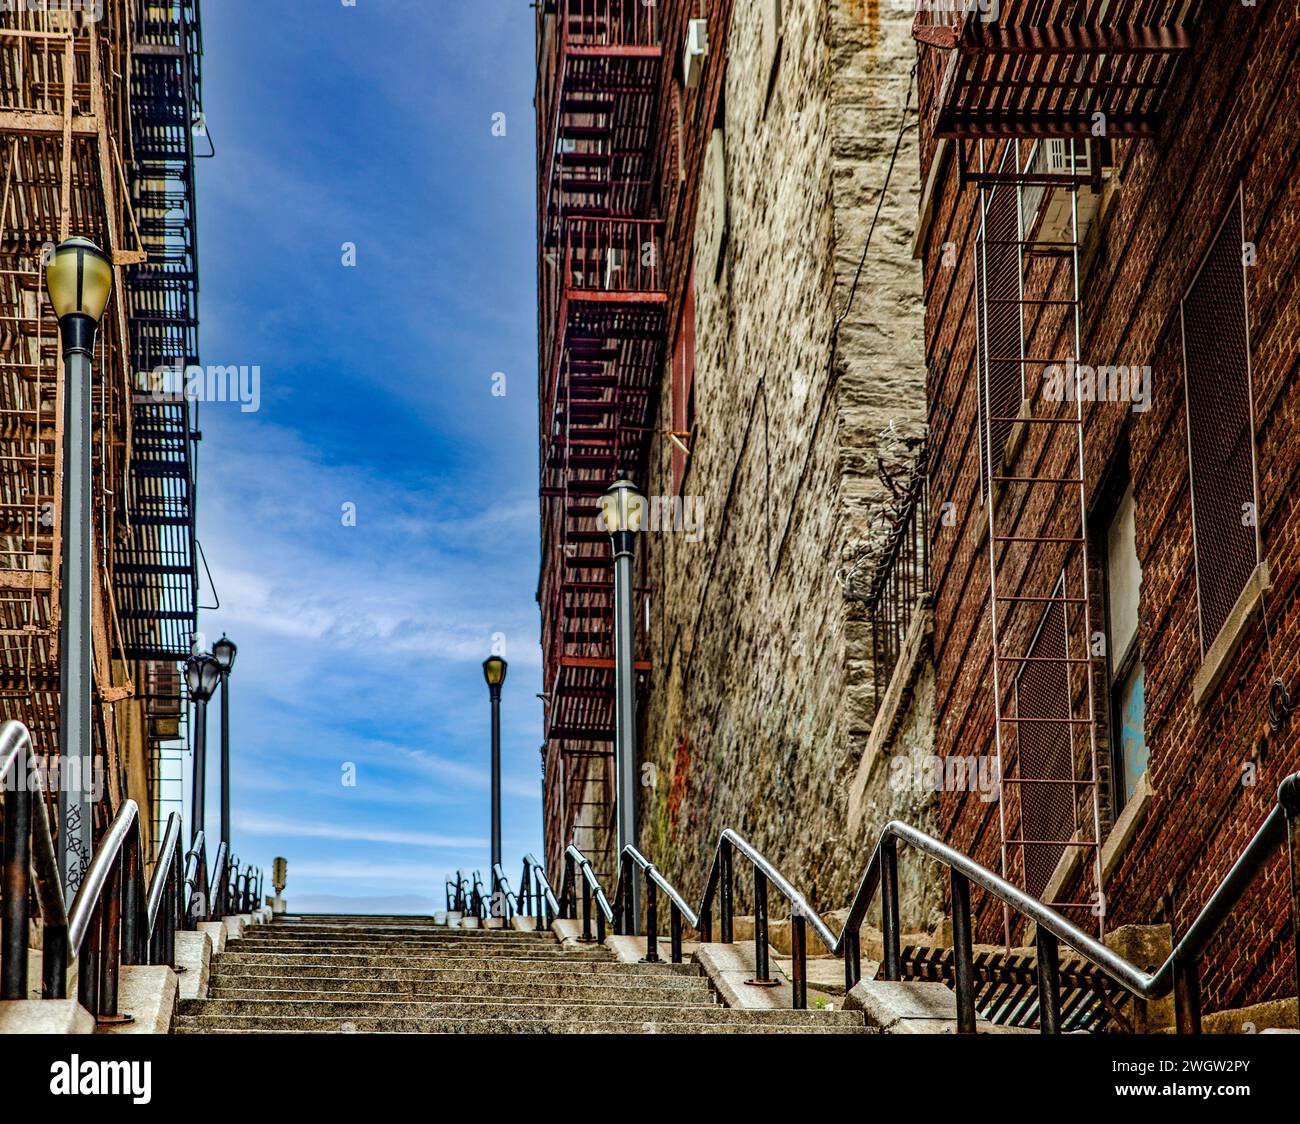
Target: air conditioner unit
(697, 47)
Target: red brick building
(1110, 227)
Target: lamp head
(494, 671)
(79, 278)
(622, 508)
(223, 651)
(202, 675)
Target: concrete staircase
(405, 974)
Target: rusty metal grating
(1220, 426)
(999, 308)
(1050, 67)
(1006, 988)
(1046, 754)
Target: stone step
(495, 936)
(317, 990)
(701, 1007)
(404, 948)
(603, 974)
(612, 1021)
(380, 962)
(189, 1024)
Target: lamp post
(494, 671)
(202, 673)
(79, 278)
(622, 511)
(223, 651)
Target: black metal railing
(900, 577)
(114, 919)
(1179, 973)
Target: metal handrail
(1179, 972)
(196, 880)
(539, 896)
(165, 893)
(28, 850)
(591, 890)
(509, 901)
(217, 885)
(679, 911)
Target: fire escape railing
(1180, 972)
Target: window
(1045, 742)
(1127, 674)
(1221, 428)
(683, 383)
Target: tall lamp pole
(79, 278)
(202, 674)
(622, 510)
(494, 671)
(223, 651)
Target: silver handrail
(592, 882)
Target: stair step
(604, 971)
(297, 990)
(190, 1024)
(327, 975)
(434, 1019)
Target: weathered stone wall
(762, 694)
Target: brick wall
(1229, 121)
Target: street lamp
(223, 651)
(79, 278)
(202, 674)
(494, 671)
(622, 511)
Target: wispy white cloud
(254, 824)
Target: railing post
(799, 958)
(962, 956)
(110, 949)
(889, 908)
(761, 977)
(651, 921)
(600, 926)
(1187, 997)
(724, 891)
(17, 887)
(133, 934)
(1288, 796)
(586, 910)
(88, 962)
(675, 931)
(630, 919)
(706, 926)
(852, 959)
(1049, 982)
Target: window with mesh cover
(1221, 427)
(1044, 736)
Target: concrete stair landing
(333, 974)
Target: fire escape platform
(1031, 74)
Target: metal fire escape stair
(603, 326)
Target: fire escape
(156, 574)
(602, 307)
(1033, 98)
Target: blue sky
(362, 644)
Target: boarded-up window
(1044, 734)
(683, 382)
(1221, 427)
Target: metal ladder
(1040, 599)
